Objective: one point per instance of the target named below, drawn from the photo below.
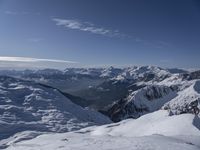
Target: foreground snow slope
(29, 106)
(158, 122)
(74, 141)
(155, 131)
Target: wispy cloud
(92, 28)
(35, 40)
(28, 59)
(8, 12)
(86, 27)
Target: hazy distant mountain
(177, 70)
(99, 86)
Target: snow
(155, 131)
(185, 97)
(31, 113)
(158, 122)
(26, 105)
(152, 97)
(145, 100)
(73, 141)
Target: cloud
(32, 60)
(86, 27)
(90, 27)
(8, 12)
(35, 40)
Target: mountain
(100, 87)
(174, 93)
(119, 93)
(156, 131)
(177, 70)
(179, 104)
(150, 105)
(140, 102)
(192, 75)
(29, 106)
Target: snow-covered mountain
(142, 101)
(156, 98)
(155, 131)
(100, 86)
(26, 105)
(175, 93)
(110, 72)
(179, 104)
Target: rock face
(175, 96)
(192, 75)
(140, 102)
(182, 103)
(26, 105)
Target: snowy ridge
(137, 72)
(156, 131)
(185, 97)
(158, 122)
(133, 72)
(173, 93)
(27, 105)
(142, 101)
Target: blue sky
(165, 33)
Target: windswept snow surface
(158, 122)
(155, 131)
(28, 106)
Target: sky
(61, 33)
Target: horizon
(31, 67)
(95, 33)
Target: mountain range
(143, 101)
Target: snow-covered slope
(158, 122)
(174, 93)
(189, 94)
(155, 131)
(30, 106)
(142, 101)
